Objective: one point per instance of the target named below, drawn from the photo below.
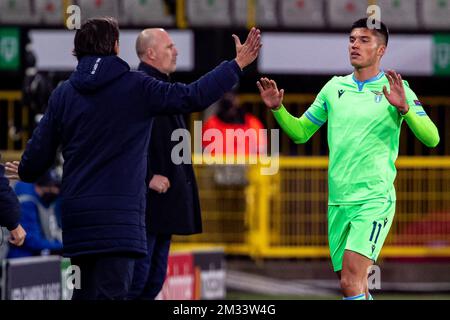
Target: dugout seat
(399, 14)
(50, 12)
(17, 12)
(266, 13)
(342, 13)
(435, 14)
(302, 13)
(148, 13)
(208, 13)
(100, 8)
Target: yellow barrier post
(181, 14)
(259, 211)
(11, 97)
(251, 14)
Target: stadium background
(272, 229)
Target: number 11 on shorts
(374, 229)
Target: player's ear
(381, 50)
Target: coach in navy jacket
(102, 118)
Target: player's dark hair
(96, 37)
(367, 23)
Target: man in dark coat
(102, 119)
(9, 211)
(173, 203)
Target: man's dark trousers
(104, 276)
(150, 271)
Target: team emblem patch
(378, 96)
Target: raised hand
(271, 96)
(248, 52)
(396, 97)
(12, 170)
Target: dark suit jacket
(178, 210)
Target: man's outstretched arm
(423, 128)
(300, 130)
(174, 98)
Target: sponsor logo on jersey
(417, 103)
(341, 92)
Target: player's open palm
(396, 96)
(272, 97)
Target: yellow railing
(285, 215)
(10, 102)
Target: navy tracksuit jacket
(102, 118)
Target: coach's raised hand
(248, 52)
(271, 96)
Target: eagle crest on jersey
(378, 96)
